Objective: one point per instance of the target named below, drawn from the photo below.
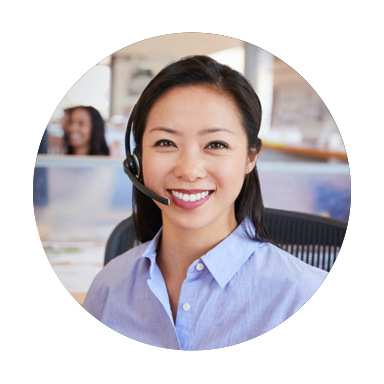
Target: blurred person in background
(84, 133)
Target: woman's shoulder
(122, 264)
(115, 276)
(270, 257)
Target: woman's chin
(186, 223)
(75, 144)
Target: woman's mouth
(75, 136)
(189, 199)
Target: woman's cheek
(153, 170)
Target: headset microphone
(132, 166)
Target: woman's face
(195, 152)
(80, 129)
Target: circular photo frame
(201, 120)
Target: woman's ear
(252, 157)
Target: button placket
(185, 297)
(187, 311)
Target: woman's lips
(75, 137)
(189, 199)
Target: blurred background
(80, 198)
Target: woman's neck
(83, 150)
(179, 247)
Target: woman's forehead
(194, 107)
(81, 113)
(194, 94)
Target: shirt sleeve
(91, 302)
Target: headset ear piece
(132, 164)
(137, 159)
(129, 165)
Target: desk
(307, 151)
(76, 264)
(79, 297)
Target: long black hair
(98, 144)
(203, 70)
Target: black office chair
(313, 239)
(122, 238)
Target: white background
(46, 336)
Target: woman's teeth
(193, 197)
(75, 136)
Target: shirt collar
(226, 259)
(223, 261)
(151, 251)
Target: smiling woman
(84, 133)
(192, 155)
(206, 276)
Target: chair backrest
(313, 239)
(122, 238)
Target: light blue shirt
(238, 290)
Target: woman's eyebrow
(165, 129)
(214, 130)
(202, 132)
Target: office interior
(79, 200)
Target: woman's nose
(189, 168)
(71, 127)
(74, 126)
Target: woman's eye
(217, 145)
(164, 143)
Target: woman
(84, 133)
(206, 275)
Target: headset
(133, 166)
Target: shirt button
(186, 307)
(199, 266)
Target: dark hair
(203, 70)
(68, 110)
(98, 144)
